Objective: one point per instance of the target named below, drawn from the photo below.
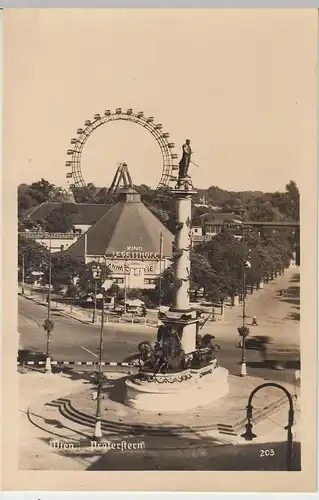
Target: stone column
(180, 316)
(182, 247)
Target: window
(148, 281)
(118, 280)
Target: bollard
(48, 366)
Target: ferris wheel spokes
(139, 118)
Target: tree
(41, 190)
(225, 255)
(233, 205)
(161, 214)
(25, 201)
(64, 269)
(134, 293)
(86, 280)
(58, 221)
(262, 209)
(293, 198)
(164, 289)
(202, 274)
(114, 290)
(35, 256)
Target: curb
(230, 431)
(83, 321)
(63, 313)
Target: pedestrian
(281, 292)
(254, 323)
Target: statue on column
(183, 177)
(185, 161)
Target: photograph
(160, 217)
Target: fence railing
(49, 236)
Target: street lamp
(97, 429)
(48, 325)
(248, 434)
(160, 271)
(23, 275)
(243, 330)
(96, 271)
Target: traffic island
(73, 416)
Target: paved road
(70, 337)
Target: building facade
(130, 240)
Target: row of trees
(65, 272)
(217, 265)
(252, 205)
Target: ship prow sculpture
(180, 371)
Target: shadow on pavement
(205, 454)
(294, 316)
(30, 355)
(273, 365)
(295, 278)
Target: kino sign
(134, 252)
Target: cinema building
(130, 240)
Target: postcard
(159, 250)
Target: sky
(240, 84)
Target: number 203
(267, 453)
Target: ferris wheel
(74, 175)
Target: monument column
(180, 317)
(182, 255)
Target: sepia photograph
(159, 214)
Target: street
(72, 340)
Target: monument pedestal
(177, 392)
(185, 328)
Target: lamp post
(97, 429)
(125, 285)
(160, 270)
(248, 434)
(243, 330)
(96, 275)
(48, 325)
(23, 275)
(243, 368)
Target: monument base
(186, 328)
(177, 392)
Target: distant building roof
(82, 213)
(129, 223)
